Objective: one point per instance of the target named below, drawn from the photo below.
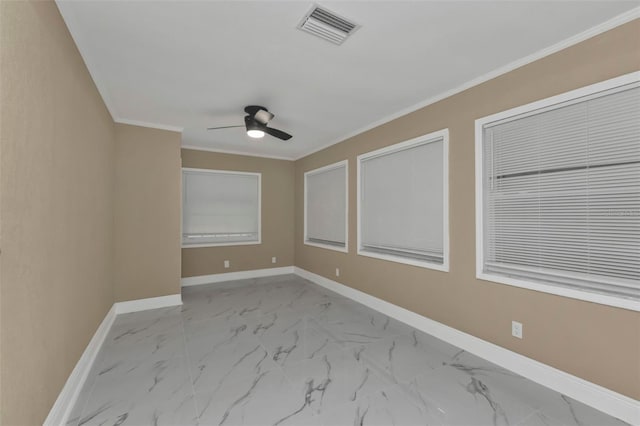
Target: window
(325, 207)
(403, 202)
(220, 208)
(558, 194)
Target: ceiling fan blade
(223, 127)
(277, 133)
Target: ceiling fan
(256, 122)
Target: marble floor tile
(85, 393)
(460, 398)
(161, 345)
(558, 409)
(292, 338)
(226, 354)
(402, 357)
(355, 332)
(388, 407)
(551, 407)
(283, 351)
(157, 392)
(267, 399)
(334, 379)
(158, 334)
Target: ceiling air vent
(327, 25)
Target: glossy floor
(282, 351)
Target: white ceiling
(192, 65)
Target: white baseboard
(240, 275)
(601, 398)
(59, 414)
(150, 303)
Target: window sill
(407, 261)
(344, 249)
(225, 244)
(603, 299)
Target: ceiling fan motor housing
(252, 124)
(259, 113)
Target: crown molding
(149, 125)
(228, 151)
(614, 22)
(568, 42)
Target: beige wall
(147, 213)
(277, 216)
(58, 144)
(595, 342)
(71, 244)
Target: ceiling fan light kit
(256, 134)
(253, 128)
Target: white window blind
(402, 196)
(220, 207)
(561, 194)
(325, 205)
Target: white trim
(145, 304)
(61, 410)
(225, 244)
(614, 22)
(601, 398)
(239, 275)
(327, 246)
(445, 202)
(233, 152)
(603, 299)
(328, 167)
(620, 302)
(228, 172)
(221, 244)
(404, 260)
(149, 125)
(424, 139)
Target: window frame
(328, 167)
(530, 108)
(420, 140)
(221, 244)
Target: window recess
(403, 202)
(558, 194)
(220, 208)
(325, 206)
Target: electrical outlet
(274, 259)
(516, 329)
(226, 264)
(337, 272)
